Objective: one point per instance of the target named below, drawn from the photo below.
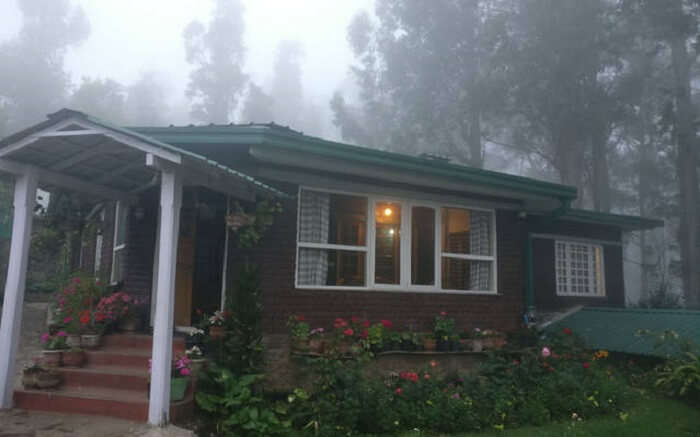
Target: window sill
(586, 296)
(395, 290)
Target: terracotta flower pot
(73, 340)
(130, 324)
(429, 344)
(48, 379)
(216, 332)
(52, 358)
(74, 358)
(90, 341)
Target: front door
(184, 273)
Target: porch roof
(74, 150)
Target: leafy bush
(681, 376)
(236, 408)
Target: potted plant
(216, 324)
(299, 331)
(180, 378)
(417, 340)
(197, 362)
(36, 376)
(54, 345)
(74, 357)
(316, 342)
(477, 340)
(429, 343)
(443, 328)
(375, 335)
(122, 309)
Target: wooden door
(184, 273)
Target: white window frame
(121, 211)
(99, 244)
(592, 246)
(406, 241)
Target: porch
(72, 151)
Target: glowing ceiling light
(391, 231)
(388, 212)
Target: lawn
(653, 417)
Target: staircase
(113, 382)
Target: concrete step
(110, 377)
(122, 404)
(137, 341)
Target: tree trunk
(601, 177)
(687, 173)
(476, 153)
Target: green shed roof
(628, 222)
(618, 329)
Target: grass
(653, 417)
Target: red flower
(399, 391)
(364, 334)
(365, 324)
(99, 317)
(386, 323)
(348, 332)
(586, 365)
(567, 331)
(355, 319)
(85, 318)
(516, 362)
(299, 318)
(443, 313)
(339, 323)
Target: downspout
(530, 314)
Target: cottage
(362, 232)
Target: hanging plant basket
(237, 220)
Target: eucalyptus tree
(217, 52)
(425, 77)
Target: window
(467, 255)
(119, 247)
(332, 239)
(368, 242)
(579, 269)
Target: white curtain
(313, 228)
(479, 244)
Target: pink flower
(443, 313)
(399, 391)
(44, 337)
(433, 363)
(185, 371)
(455, 396)
(586, 365)
(126, 298)
(426, 376)
(61, 333)
(546, 352)
(67, 320)
(348, 332)
(386, 323)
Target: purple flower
(61, 333)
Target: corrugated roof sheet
(618, 329)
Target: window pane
(330, 267)
(464, 274)
(122, 217)
(332, 218)
(118, 265)
(387, 268)
(466, 231)
(422, 246)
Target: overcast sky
(129, 37)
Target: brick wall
(276, 259)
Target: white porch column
(24, 202)
(170, 202)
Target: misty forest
(597, 94)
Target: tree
(33, 81)
(287, 88)
(218, 53)
(102, 98)
(425, 76)
(258, 107)
(145, 102)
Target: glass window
(467, 260)
(422, 246)
(332, 239)
(578, 269)
(466, 231)
(387, 256)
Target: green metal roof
(628, 222)
(276, 136)
(617, 329)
